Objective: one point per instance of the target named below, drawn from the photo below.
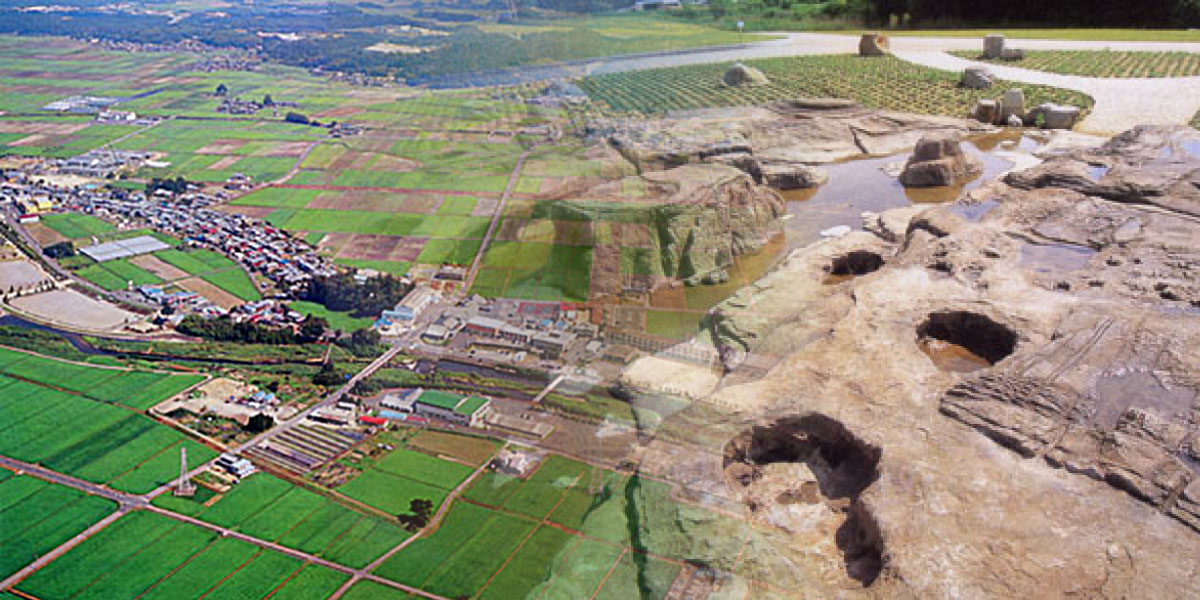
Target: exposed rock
(1145, 165)
(986, 111)
(939, 160)
(977, 78)
(740, 74)
(798, 132)
(1055, 116)
(873, 44)
(1085, 314)
(698, 218)
(789, 176)
(1012, 104)
(993, 45)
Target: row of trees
(224, 329)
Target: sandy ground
(44, 235)
(74, 310)
(671, 377)
(20, 274)
(218, 296)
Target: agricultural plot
(536, 271)
(336, 320)
(1103, 63)
(469, 449)
(147, 555)
(886, 83)
(76, 226)
(269, 508)
(403, 475)
(39, 516)
(88, 438)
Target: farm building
(444, 406)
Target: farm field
(148, 555)
(88, 437)
(1103, 63)
(336, 320)
(272, 509)
(39, 516)
(885, 83)
(1083, 33)
(173, 269)
(559, 540)
(392, 481)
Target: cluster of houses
(259, 247)
(237, 106)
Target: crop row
(1106, 63)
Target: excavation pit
(961, 341)
(851, 265)
(811, 460)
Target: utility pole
(184, 487)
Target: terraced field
(886, 83)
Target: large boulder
(1012, 104)
(939, 160)
(873, 44)
(740, 74)
(993, 46)
(977, 78)
(1056, 116)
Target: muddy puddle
(871, 185)
(951, 357)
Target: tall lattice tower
(184, 487)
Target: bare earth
(74, 310)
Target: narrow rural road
(495, 222)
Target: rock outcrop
(739, 75)
(796, 133)
(939, 160)
(1066, 462)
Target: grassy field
(336, 320)
(1103, 63)
(77, 226)
(269, 508)
(40, 516)
(886, 83)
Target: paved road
(123, 499)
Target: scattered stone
(1056, 116)
(1012, 54)
(939, 160)
(977, 78)
(1012, 103)
(986, 111)
(740, 74)
(873, 44)
(1014, 121)
(993, 46)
